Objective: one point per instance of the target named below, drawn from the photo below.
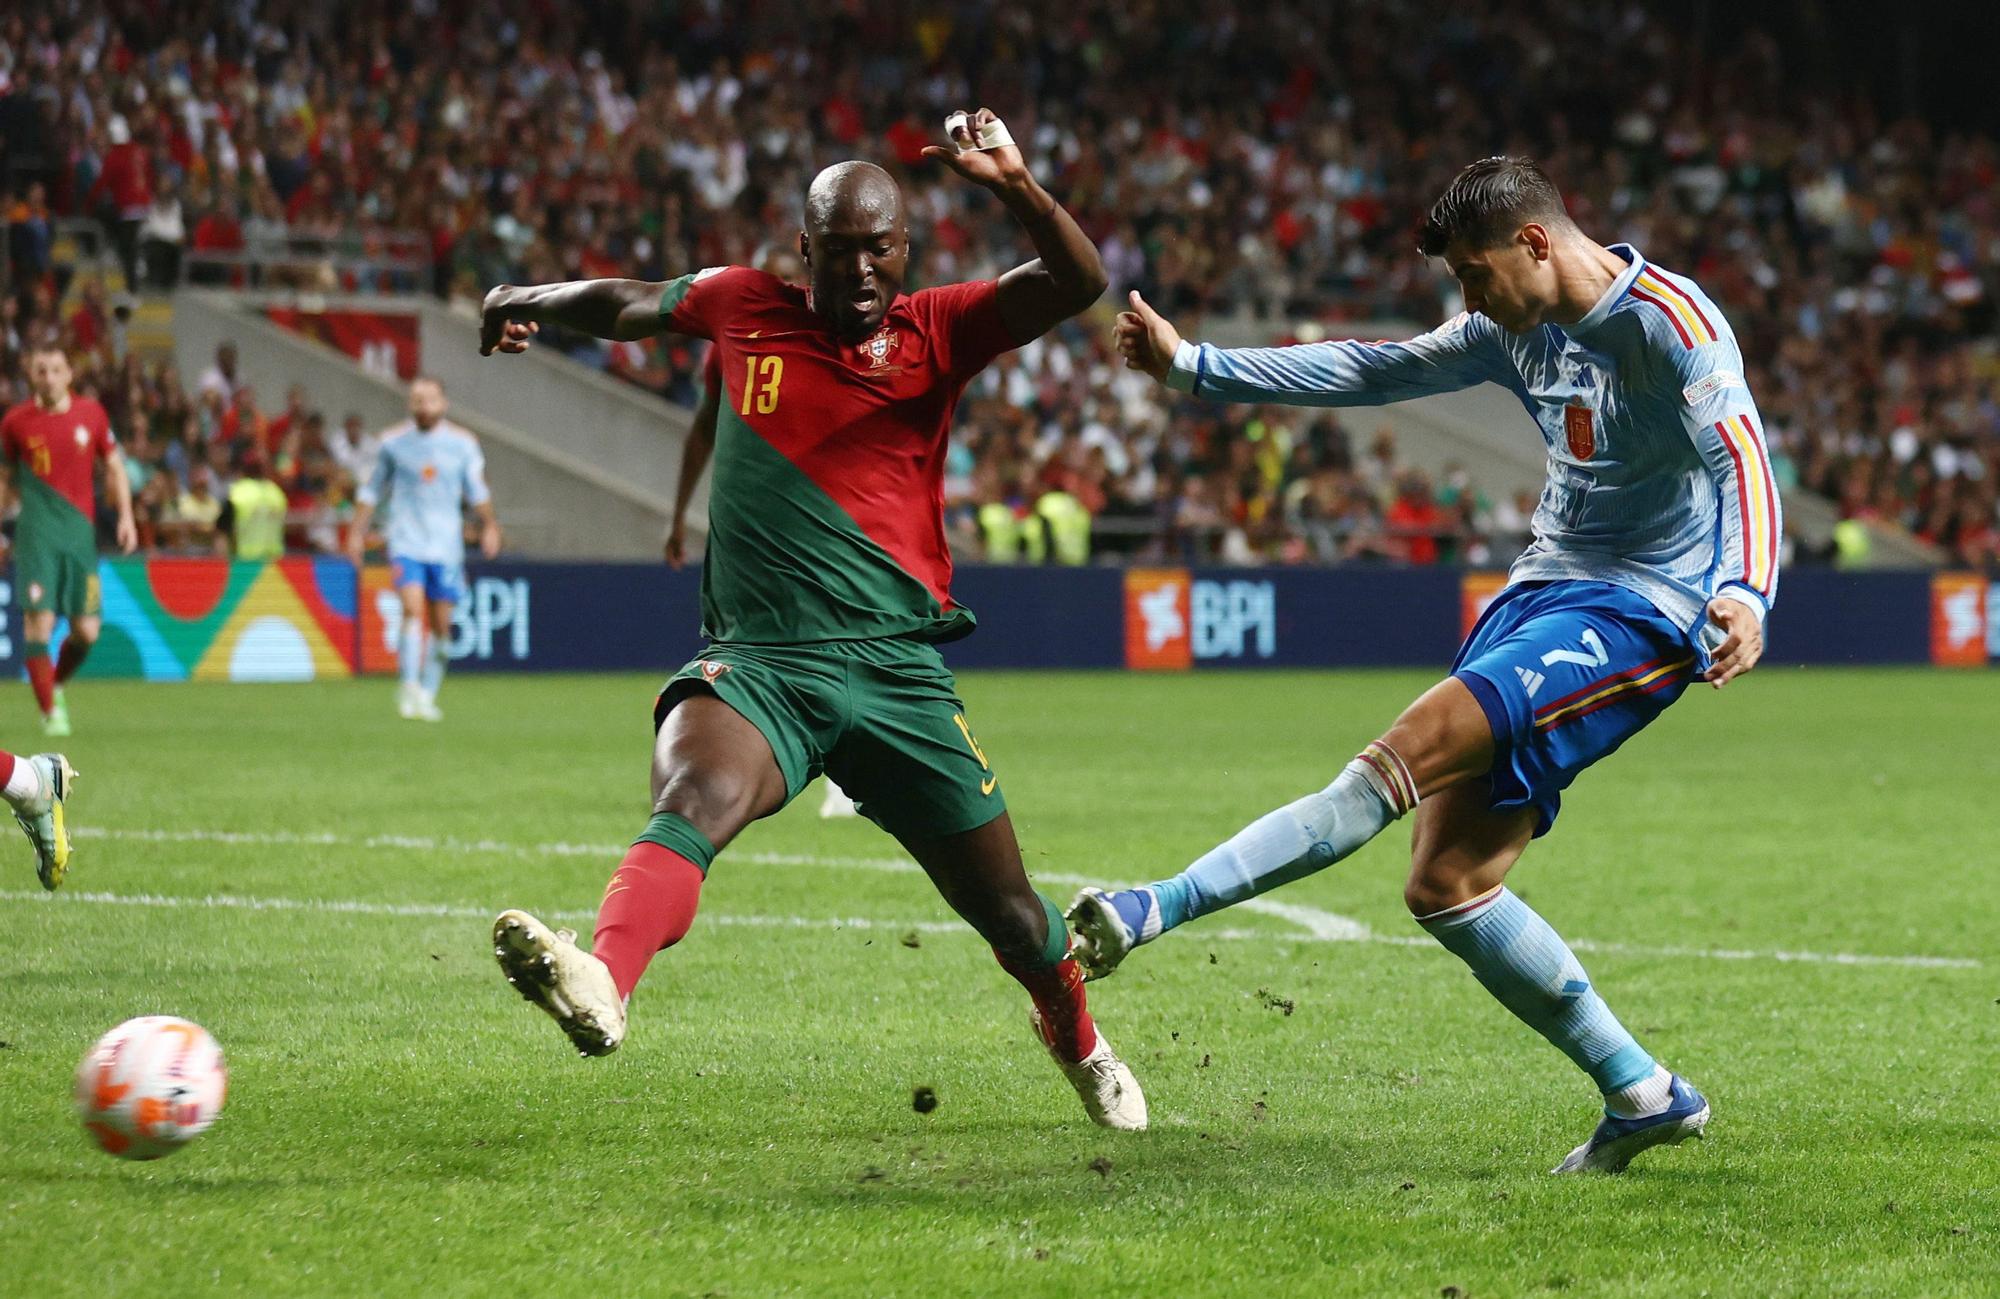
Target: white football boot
(548, 968)
(1110, 1092)
(426, 709)
(41, 816)
(406, 701)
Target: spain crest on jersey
(1579, 428)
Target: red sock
(1058, 994)
(648, 906)
(71, 657)
(42, 676)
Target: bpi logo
(1235, 620)
(1173, 621)
(1156, 619)
(1958, 620)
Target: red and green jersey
(826, 513)
(54, 456)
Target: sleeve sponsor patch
(1702, 389)
(707, 271)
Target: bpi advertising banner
(1178, 618)
(312, 618)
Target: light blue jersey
(1658, 477)
(429, 478)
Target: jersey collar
(1601, 311)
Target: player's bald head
(855, 246)
(853, 193)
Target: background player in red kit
(826, 587)
(52, 443)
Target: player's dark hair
(1487, 202)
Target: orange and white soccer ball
(150, 1086)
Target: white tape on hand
(990, 135)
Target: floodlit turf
(1330, 1117)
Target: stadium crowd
(1257, 165)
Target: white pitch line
(1320, 926)
(1324, 925)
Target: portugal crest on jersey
(1580, 429)
(880, 347)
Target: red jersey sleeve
(102, 444)
(698, 304)
(963, 321)
(10, 435)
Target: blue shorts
(1567, 672)
(442, 583)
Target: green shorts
(882, 719)
(57, 573)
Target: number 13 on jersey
(761, 375)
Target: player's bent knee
(717, 804)
(1432, 888)
(1016, 927)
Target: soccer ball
(150, 1086)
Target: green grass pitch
(1330, 1116)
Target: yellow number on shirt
(761, 375)
(966, 731)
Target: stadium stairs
(582, 466)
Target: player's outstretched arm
(621, 309)
(1457, 354)
(1068, 275)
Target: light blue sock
(434, 664)
(1294, 841)
(410, 653)
(1527, 965)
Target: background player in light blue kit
(1654, 562)
(430, 470)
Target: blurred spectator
(161, 235)
(123, 192)
(191, 524)
(353, 447)
(30, 236)
(253, 512)
(221, 377)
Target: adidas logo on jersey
(1531, 680)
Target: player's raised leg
(979, 873)
(35, 788)
(713, 773)
(1441, 739)
(1461, 852)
